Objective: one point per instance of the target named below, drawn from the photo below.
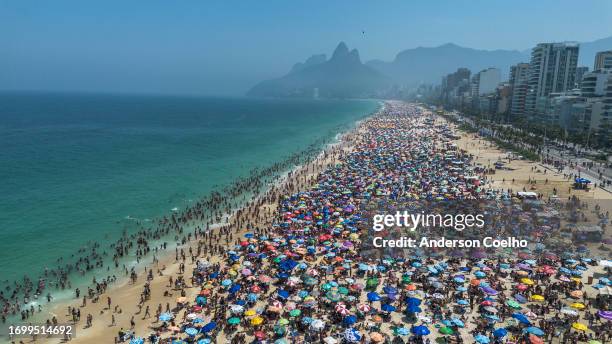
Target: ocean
(79, 168)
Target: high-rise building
(486, 81)
(603, 60)
(580, 72)
(552, 70)
(519, 76)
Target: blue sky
(223, 47)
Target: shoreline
(296, 181)
(166, 263)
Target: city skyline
(224, 48)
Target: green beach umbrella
(343, 290)
(446, 330)
(233, 321)
(513, 304)
(326, 286)
(372, 282)
(295, 313)
(283, 321)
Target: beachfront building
(519, 77)
(455, 87)
(485, 81)
(552, 69)
(580, 72)
(603, 60)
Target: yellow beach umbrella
(579, 326)
(250, 312)
(536, 297)
(527, 281)
(576, 279)
(577, 305)
(256, 321)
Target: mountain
(342, 76)
(427, 65)
(311, 61)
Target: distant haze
(227, 47)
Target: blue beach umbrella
(420, 330)
(500, 333)
(205, 341)
(458, 322)
(387, 308)
(521, 318)
(349, 320)
(191, 331)
(534, 330)
(137, 340)
(209, 327)
(166, 317)
(373, 296)
(481, 339)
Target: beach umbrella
(594, 342)
(463, 302)
(295, 313)
(500, 332)
(233, 321)
(209, 327)
(372, 282)
(458, 322)
(534, 330)
(166, 317)
(373, 296)
(401, 331)
(349, 320)
(352, 335)
(390, 290)
(533, 339)
(446, 330)
(579, 326)
(577, 305)
(569, 311)
(527, 281)
(420, 330)
(260, 335)
(317, 324)
(413, 301)
(364, 308)
(137, 340)
(605, 314)
(479, 338)
(513, 304)
(255, 321)
(281, 341)
(204, 341)
(250, 312)
(191, 331)
(576, 294)
(521, 318)
(536, 297)
(387, 308)
(376, 337)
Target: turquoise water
(79, 168)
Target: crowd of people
(304, 270)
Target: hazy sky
(224, 47)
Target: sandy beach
(182, 274)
